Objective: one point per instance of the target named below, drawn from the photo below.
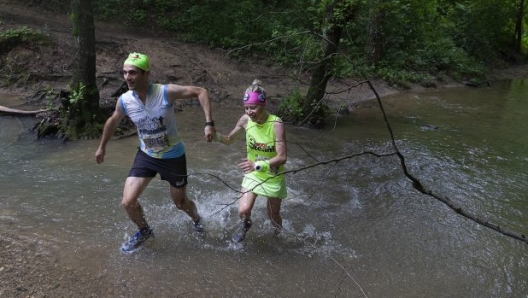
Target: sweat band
(261, 165)
(255, 98)
(138, 60)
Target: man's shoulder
(126, 95)
(156, 88)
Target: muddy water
(353, 228)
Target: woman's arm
(280, 145)
(240, 127)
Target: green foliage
(290, 108)
(74, 18)
(109, 9)
(14, 70)
(77, 118)
(77, 94)
(50, 96)
(13, 75)
(23, 35)
(62, 6)
(420, 41)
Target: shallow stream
(353, 228)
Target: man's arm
(188, 92)
(109, 129)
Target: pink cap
(255, 98)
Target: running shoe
(135, 242)
(240, 234)
(198, 226)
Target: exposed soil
(171, 62)
(29, 266)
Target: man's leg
(182, 202)
(134, 186)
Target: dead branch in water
(17, 112)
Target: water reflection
(357, 221)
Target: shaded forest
(402, 42)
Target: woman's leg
(274, 206)
(245, 204)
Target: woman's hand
(246, 165)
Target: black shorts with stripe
(173, 170)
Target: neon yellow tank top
(260, 143)
(260, 139)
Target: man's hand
(210, 133)
(99, 155)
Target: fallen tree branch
(444, 199)
(16, 112)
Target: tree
(81, 115)
(376, 35)
(337, 14)
(519, 27)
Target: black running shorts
(173, 170)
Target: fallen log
(16, 112)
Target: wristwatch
(211, 123)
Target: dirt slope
(172, 61)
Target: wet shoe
(240, 234)
(135, 242)
(198, 227)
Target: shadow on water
(353, 228)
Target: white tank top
(155, 122)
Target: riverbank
(50, 68)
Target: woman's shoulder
(274, 118)
(243, 120)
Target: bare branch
(266, 42)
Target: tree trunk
(376, 38)
(81, 116)
(313, 110)
(312, 106)
(518, 27)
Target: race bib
(156, 142)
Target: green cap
(138, 60)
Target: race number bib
(156, 142)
